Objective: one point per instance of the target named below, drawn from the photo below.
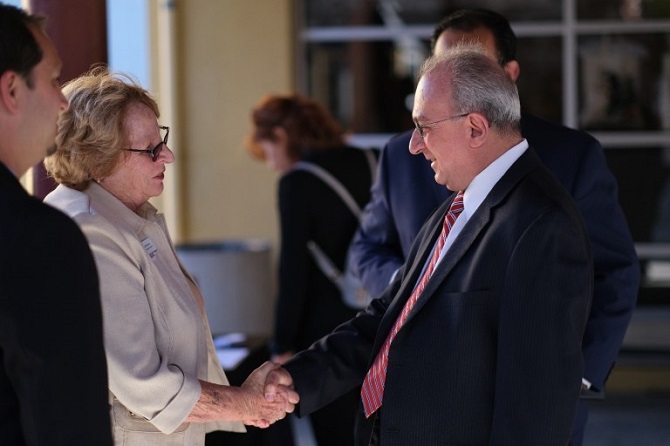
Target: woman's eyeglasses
(156, 151)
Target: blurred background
(598, 65)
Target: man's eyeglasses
(421, 128)
(156, 151)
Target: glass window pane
(338, 12)
(370, 12)
(622, 9)
(541, 80)
(366, 85)
(624, 82)
(369, 86)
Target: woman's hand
(248, 403)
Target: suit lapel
(478, 223)
(413, 268)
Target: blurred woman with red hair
(287, 130)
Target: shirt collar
(482, 184)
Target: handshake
(267, 395)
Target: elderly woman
(165, 382)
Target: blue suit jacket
(406, 193)
(489, 354)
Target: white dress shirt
(480, 187)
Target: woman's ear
(282, 160)
(280, 136)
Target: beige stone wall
(228, 53)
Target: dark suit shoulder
(540, 190)
(547, 134)
(30, 219)
(567, 153)
(41, 243)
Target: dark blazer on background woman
(309, 304)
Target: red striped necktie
(372, 391)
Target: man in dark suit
(53, 375)
(486, 350)
(405, 195)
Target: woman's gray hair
(476, 83)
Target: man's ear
(9, 83)
(479, 129)
(512, 69)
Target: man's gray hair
(477, 84)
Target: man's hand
(279, 384)
(282, 358)
(262, 408)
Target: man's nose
(416, 144)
